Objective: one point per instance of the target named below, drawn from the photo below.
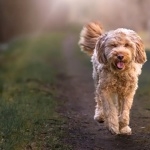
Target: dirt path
(83, 132)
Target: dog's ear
(140, 56)
(100, 49)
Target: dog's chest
(118, 82)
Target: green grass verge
(28, 79)
(143, 92)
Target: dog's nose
(120, 57)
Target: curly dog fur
(117, 58)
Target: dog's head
(119, 48)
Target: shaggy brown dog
(117, 58)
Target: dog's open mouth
(120, 65)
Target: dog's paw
(114, 130)
(126, 130)
(99, 119)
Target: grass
(143, 92)
(28, 82)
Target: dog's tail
(89, 36)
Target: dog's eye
(126, 45)
(114, 45)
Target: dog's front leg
(110, 111)
(124, 118)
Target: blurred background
(40, 61)
(18, 18)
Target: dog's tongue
(120, 65)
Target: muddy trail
(78, 93)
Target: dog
(117, 57)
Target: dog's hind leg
(99, 115)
